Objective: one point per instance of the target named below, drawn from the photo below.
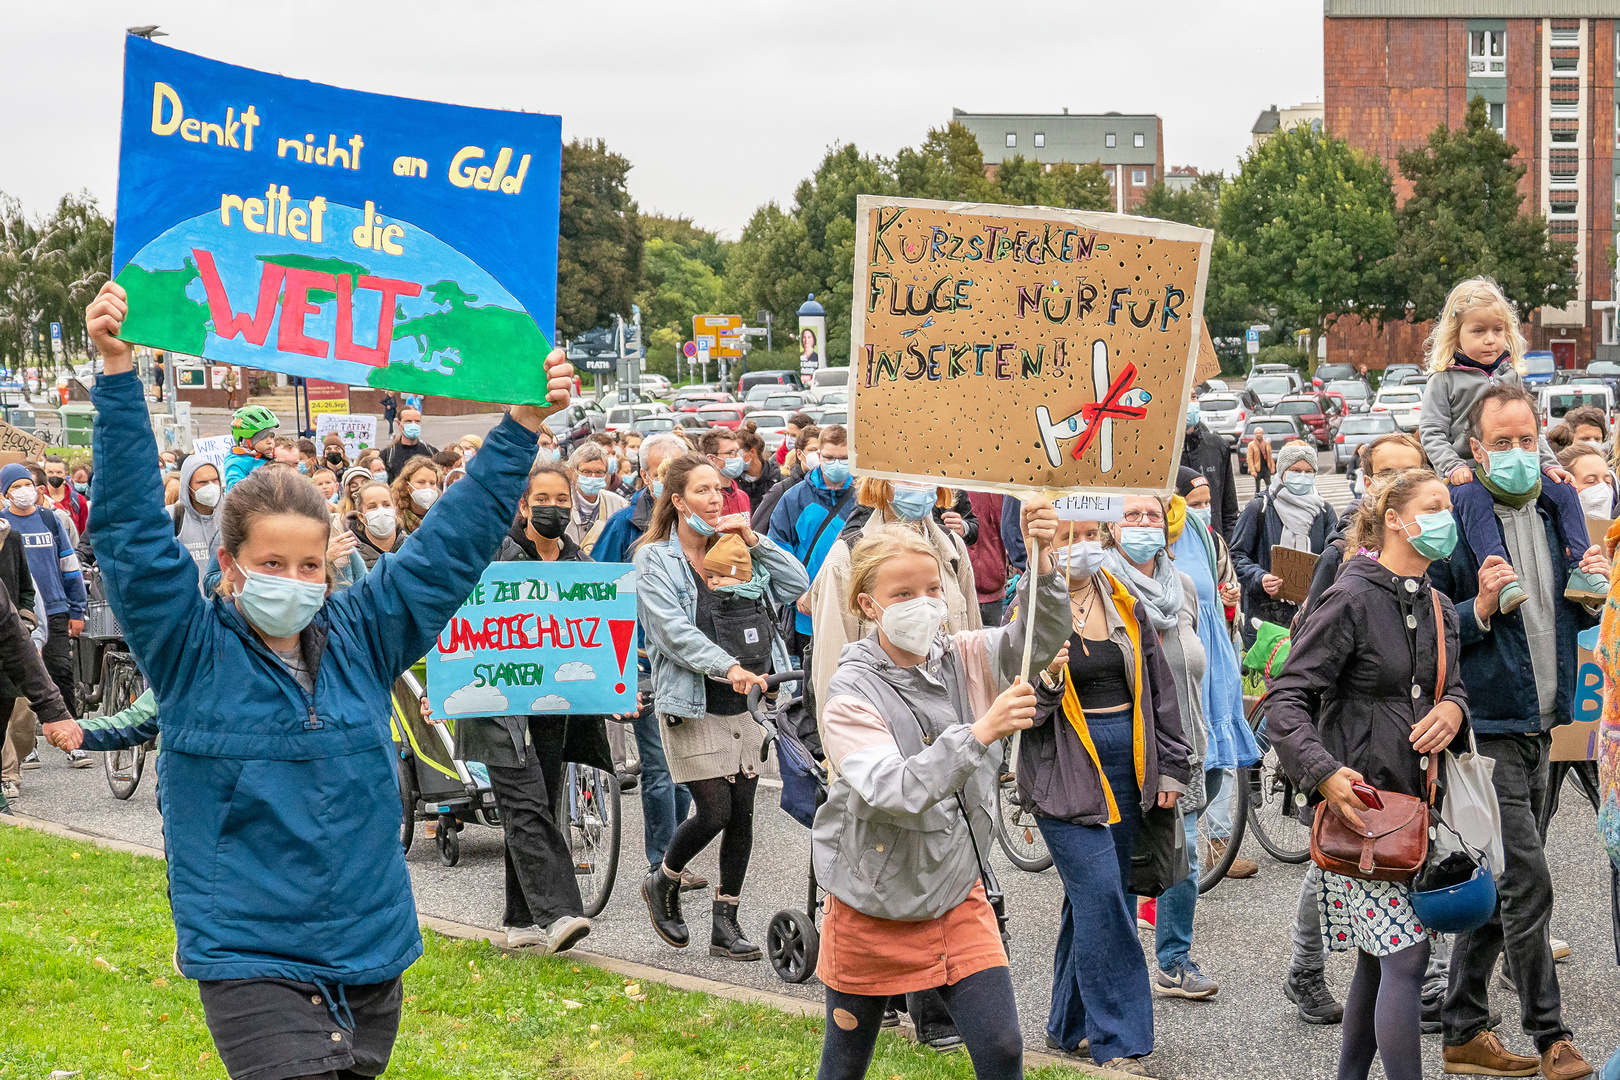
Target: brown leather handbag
(1392, 844)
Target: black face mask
(549, 521)
(55, 481)
(335, 457)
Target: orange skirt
(861, 954)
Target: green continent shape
(502, 352)
(335, 267)
(160, 313)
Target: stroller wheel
(792, 943)
(449, 840)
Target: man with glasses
(1519, 667)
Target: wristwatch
(1048, 681)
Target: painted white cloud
(550, 703)
(576, 671)
(627, 583)
(473, 700)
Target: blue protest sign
(338, 235)
(539, 637)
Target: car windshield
(1217, 404)
(1367, 425)
(1334, 371)
(831, 377)
(1603, 367)
(714, 416)
(1273, 427)
(1349, 389)
(655, 423)
(759, 393)
(1399, 399)
(791, 402)
(833, 416)
(768, 421)
(1539, 364)
(1296, 408)
(1559, 404)
(1271, 384)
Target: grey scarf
(1298, 513)
(1161, 593)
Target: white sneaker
(31, 761)
(1560, 949)
(79, 759)
(10, 790)
(565, 933)
(519, 936)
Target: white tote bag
(1470, 806)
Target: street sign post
(1251, 339)
(56, 339)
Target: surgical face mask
(380, 522)
(810, 460)
(592, 485)
(1300, 483)
(658, 489)
(207, 495)
(790, 442)
(1598, 501)
(81, 488)
(913, 504)
(425, 497)
(280, 606)
(24, 497)
(549, 521)
(556, 453)
(912, 625)
(381, 476)
(1194, 414)
(613, 466)
(835, 471)
(733, 467)
(1201, 513)
(333, 498)
(1437, 534)
(698, 525)
(629, 471)
(1361, 484)
(1514, 471)
(1081, 559)
(1141, 542)
(303, 468)
(412, 431)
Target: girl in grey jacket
(913, 728)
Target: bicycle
(1272, 804)
(587, 810)
(1211, 869)
(1016, 832)
(100, 651)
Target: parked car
(623, 417)
(654, 386)
(1326, 373)
(1354, 431)
(1272, 369)
(1558, 401)
(775, 378)
(1277, 430)
(1539, 368)
(1273, 388)
(1403, 402)
(836, 378)
(791, 401)
(1396, 374)
(695, 388)
(723, 416)
(1318, 412)
(571, 427)
(771, 427)
(838, 414)
(1225, 414)
(1357, 397)
(694, 402)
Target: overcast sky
(720, 106)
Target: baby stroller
(792, 941)
(433, 784)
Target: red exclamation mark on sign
(623, 631)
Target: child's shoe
(1585, 588)
(1513, 596)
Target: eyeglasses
(1528, 442)
(1143, 517)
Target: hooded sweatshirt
(198, 533)
(51, 558)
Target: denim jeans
(1099, 976)
(1173, 926)
(1310, 951)
(664, 804)
(1218, 787)
(1523, 909)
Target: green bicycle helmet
(251, 420)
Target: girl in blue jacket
(292, 907)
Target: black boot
(726, 939)
(663, 896)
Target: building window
(1497, 114)
(1138, 178)
(1113, 177)
(1566, 130)
(1040, 140)
(1566, 57)
(1012, 139)
(1609, 335)
(1565, 203)
(1139, 140)
(1110, 140)
(1485, 54)
(1563, 164)
(1567, 229)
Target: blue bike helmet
(1455, 909)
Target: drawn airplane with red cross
(1117, 399)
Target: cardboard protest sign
(1296, 568)
(356, 238)
(1004, 348)
(1090, 508)
(214, 448)
(539, 637)
(1209, 362)
(1579, 741)
(14, 441)
(357, 432)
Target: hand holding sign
(102, 319)
(559, 391)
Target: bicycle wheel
(588, 813)
(123, 767)
(1216, 853)
(1016, 832)
(1272, 807)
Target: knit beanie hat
(1294, 453)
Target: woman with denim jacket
(708, 647)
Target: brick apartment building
(1129, 147)
(1393, 70)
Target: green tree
(599, 244)
(1198, 205)
(1077, 187)
(697, 242)
(674, 287)
(948, 165)
(1308, 225)
(1464, 218)
(50, 269)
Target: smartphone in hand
(1367, 794)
